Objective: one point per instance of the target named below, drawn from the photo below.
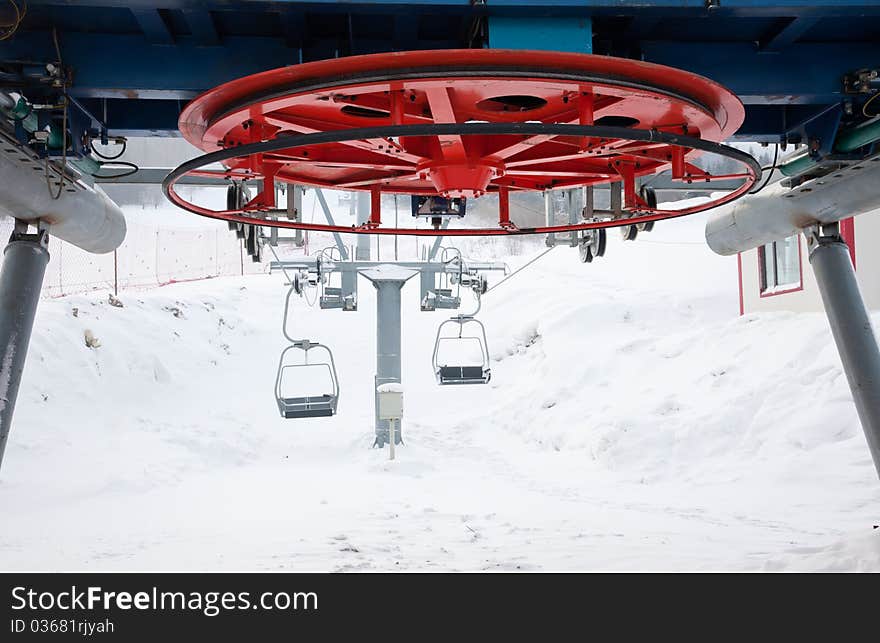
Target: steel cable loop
(289, 142)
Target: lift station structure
(443, 102)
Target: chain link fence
(150, 256)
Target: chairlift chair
(307, 406)
(446, 373)
(476, 373)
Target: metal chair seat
(463, 375)
(307, 407)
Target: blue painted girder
(784, 58)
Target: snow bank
(633, 421)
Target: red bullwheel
(461, 124)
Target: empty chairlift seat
(306, 389)
(462, 358)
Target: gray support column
(575, 202)
(343, 251)
(550, 239)
(362, 252)
(349, 287)
(389, 281)
(427, 283)
(852, 331)
(21, 279)
(435, 247)
(295, 211)
(387, 346)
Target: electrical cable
(865, 106)
(57, 195)
(104, 156)
(12, 27)
(772, 168)
(133, 168)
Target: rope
(867, 103)
(520, 269)
(772, 168)
(66, 104)
(12, 27)
(104, 156)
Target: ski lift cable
(520, 269)
(280, 263)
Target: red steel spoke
(569, 116)
(375, 181)
(379, 146)
(451, 147)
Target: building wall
(866, 234)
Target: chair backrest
(466, 350)
(311, 372)
(306, 380)
(459, 357)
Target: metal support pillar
(362, 252)
(295, 211)
(851, 328)
(435, 247)
(340, 244)
(575, 202)
(21, 279)
(427, 282)
(389, 281)
(349, 279)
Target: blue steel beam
(201, 25)
(539, 4)
(129, 67)
(153, 25)
(800, 74)
(541, 33)
(793, 29)
(293, 27)
(406, 31)
(781, 79)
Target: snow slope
(633, 421)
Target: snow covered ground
(634, 421)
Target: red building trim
(762, 293)
(848, 233)
(739, 272)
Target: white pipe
(85, 216)
(6, 100)
(777, 212)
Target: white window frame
(769, 257)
